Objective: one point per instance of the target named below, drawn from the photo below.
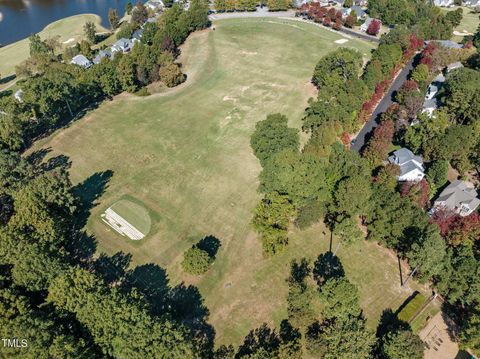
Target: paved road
(385, 103)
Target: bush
(171, 75)
(142, 92)
(437, 173)
(126, 31)
(196, 261)
(309, 214)
(413, 306)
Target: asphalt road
(384, 104)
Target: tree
(139, 14)
(271, 219)
(348, 4)
(196, 261)
(454, 17)
(85, 48)
(113, 18)
(470, 331)
(127, 74)
(37, 46)
(272, 135)
(90, 31)
(352, 195)
(171, 75)
(374, 27)
(350, 21)
(377, 148)
(278, 5)
(300, 295)
(402, 344)
(420, 74)
(340, 299)
(427, 253)
(337, 67)
(128, 7)
(437, 173)
(348, 230)
(198, 15)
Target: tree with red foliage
(338, 24)
(415, 42)
(332, 13)
(345, 138)
(327, 21)
(350, 21)
(418, 192)
(377, 148)
(456, 229)
(374, 27)
(408, 87)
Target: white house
(443, 3)
(411, 166)
(454, 66)
(430, 103)
(471, 2)
(459, 197)
(122, 45)
(19, 95)
(155, 4)
(81, 61)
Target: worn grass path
(185, 155)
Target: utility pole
(410, 276)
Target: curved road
(384, 104)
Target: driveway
(261, 12)
(384, 104)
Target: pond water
(20, 18)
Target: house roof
(81, 60)
(459, 193)
(137, 34)
(358, 10)
(454, 65)
(431, 104)
(447, 43)
(367, 22)
(101, 54)
(407, 161)
(122, 44)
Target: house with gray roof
(449, 44)
(411, 166)
(137, 35)
(361, 14)
(471, 3)
(430, 103)
(454, 66)
(81, 60)
(107, 53)
(443, 3)
(122, 45)
(459, 197)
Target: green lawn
(68, 28)
(185, 154)
(469, 24)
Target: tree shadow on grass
(389, 322)
(88, 192)
(112, 268)
(209, 244)
(327, 266)
(258, 339)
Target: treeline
(250, 5)
(55, 92)
(422, 17)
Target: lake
(21, 18)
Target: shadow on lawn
(327, 266)
(88, 192)
(209, 244)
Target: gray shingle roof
(457, 193)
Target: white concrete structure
(411, 166)
(120, 225)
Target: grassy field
(68, 29)
(469, 24)
(185, 155)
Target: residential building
(107, 53)
(137, 35)
(81, 61)
(472, 3)
(453, 66)
(443, 3)
(411, 166)
(459, 197)
(19, 95)
(122, 45)
(366, 24)
(449, 44)
(430, 103)
(361, 14)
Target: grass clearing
(185, 154)
(69, 29)
(469, 24)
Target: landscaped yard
(69, 29)
(184, 154)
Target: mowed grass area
(68, 29)
(469, 24)
(185, 155)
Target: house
(155, 4)
(459, 197)
(18, 95)
(107, 53)
(361, 14)
(472, 3)
(411, 166)
(366, 24)
(443, 3)
(345, 12)
(122, 45)
(81, 61)
(137, 35)
(363, 3)
(453, 66)
(430, 103)
(449, 44)
(338, 2)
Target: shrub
(171, 75)
(196, 261)
(310, 214)
(438, 173)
